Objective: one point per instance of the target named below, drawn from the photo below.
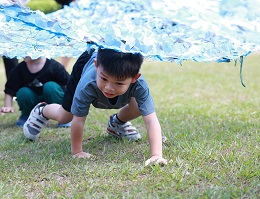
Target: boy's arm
(155, 139)
(8, 104)
(77, 130)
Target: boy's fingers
(147, 162)
(160, 161)
(6, 110)
(82, 155)
(163, 163)
(2, 112)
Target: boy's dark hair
(118, 64)
(64, 2)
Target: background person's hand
(4, 110)
(156, 160)
(82, 155)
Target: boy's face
(111, 86)
(27, 59)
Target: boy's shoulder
(141, 81)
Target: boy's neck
(36, 65)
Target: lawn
(211, 121)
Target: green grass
(46, 6)
(212, 123)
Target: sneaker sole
(113, 133)
(132, 138)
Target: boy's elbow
(151, 120)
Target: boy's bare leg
(57, 112)
(129, 111)
(39, 117)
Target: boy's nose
(109, 87)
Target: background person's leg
(27, 100)
(53, 94)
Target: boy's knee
(64, 116)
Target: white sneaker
(33, 126)
(126, 130)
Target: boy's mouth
(109, 95)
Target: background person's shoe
(22, 119)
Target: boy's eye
(102, 78)
(119, 83)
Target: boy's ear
(95, 63)
(136, 78)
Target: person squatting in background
(33, 81)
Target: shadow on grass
(104, 148)
(8, 125)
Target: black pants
(74, 79)
(9, 65)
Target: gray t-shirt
(88, 93)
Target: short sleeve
(143, 98)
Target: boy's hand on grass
(82, 155)
(156, 160)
